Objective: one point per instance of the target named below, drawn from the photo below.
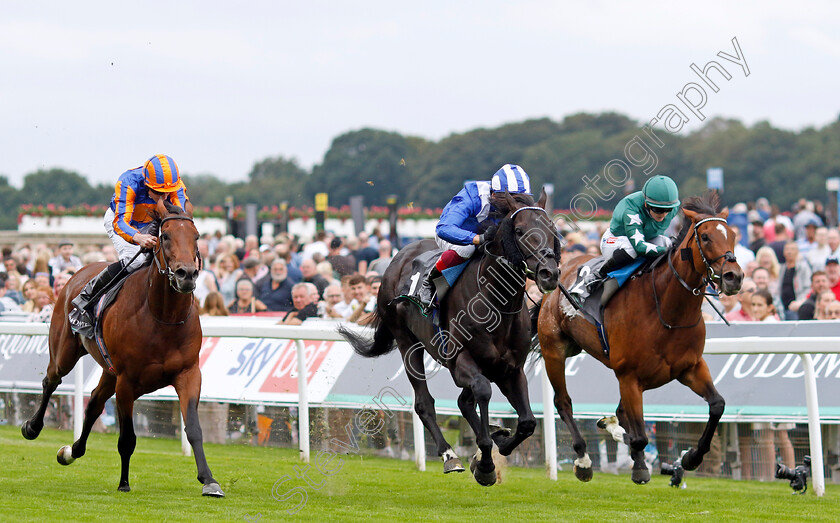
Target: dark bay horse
(655, 332)
(153, 335)
(484, 331)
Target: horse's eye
(518, 231)
(165, 236)
(197, 237)
(704, 237)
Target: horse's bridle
(710, 277)
(166, 270)
(542, 252)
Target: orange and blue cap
(161, 173)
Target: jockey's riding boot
(619, 259)
(427, 290)
(81, 317)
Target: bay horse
(153, 336)
(484, 334)
(655, 332)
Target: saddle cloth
(590, 298)
(421, 266)
(104, 302)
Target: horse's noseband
(166, 270)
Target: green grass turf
(34, 487)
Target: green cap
(661, 191)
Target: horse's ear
(543, 198)
(690, 215)
(160, 208)
(188, 208)
(511, 202)
(724, 213)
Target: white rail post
(419, 440)
(549, 428)
(303, 403)
(814, 431)
(79, 399)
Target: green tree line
(758, 160)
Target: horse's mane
(505, 232)
(708, 203)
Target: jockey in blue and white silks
(467, 213)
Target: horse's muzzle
(184, 279)
(547, 279)
(730, 282)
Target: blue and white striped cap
(511, 178)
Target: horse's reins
(708, 279)
(166, 270)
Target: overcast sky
(98, 87)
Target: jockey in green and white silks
(639, 222)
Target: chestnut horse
(655, 332)
(153, 335)
(484, 333)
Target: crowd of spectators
(330, 277)
(791, 263)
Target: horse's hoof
(452, 465)
(124, 488)
(65, 455)
(29, 432)
(213, 490)
(583, 474)
(641, 476)
(691, 459)
(603, 422)
(485, 479)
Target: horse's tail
(382, 343)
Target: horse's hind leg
(103, 391)
(516, 391)
(424, 406)
(554, 356)
(700, 381)
(188, 387)
(468, 375)
(61, 363)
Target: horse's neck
(675, 296)
(500, 284)
(165, 303)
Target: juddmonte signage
(256, 370)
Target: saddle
(593, 295)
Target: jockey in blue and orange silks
(468, 212)
(136, 195)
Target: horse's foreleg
(555, 367)
(188, 387)
(468, 375)
(103, 391)
(424, 404)
(700, 381)
(516, 391)
(62, 361)
(128, 440)
(631, 410)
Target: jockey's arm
(637, 239)
(452, 219)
